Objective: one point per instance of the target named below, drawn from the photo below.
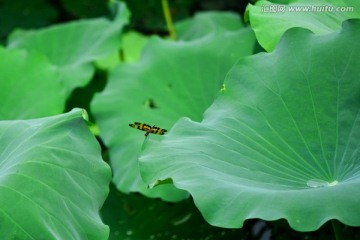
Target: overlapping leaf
(282, 140)
(270, 21)
(171, 80)
(73, 46)
(52, 179)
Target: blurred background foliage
(147, 16)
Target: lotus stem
(336, 225)
(167, 15)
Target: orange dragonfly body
(148, 129)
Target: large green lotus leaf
(171, 80)
(280, 141)
(53, 180)
(73, 46)
(270, 21)
(29, 86)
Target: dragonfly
(148, 129)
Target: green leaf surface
(52, 179)
(73, 46)
(270, 21)
(171, 80)
(281, 141)
(132, 43)
(29, 86)
(203, 24)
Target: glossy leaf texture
(280, 141)
(73, 46)
(53, 180)
(270, 20)
(27, 79)
(171, 80)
